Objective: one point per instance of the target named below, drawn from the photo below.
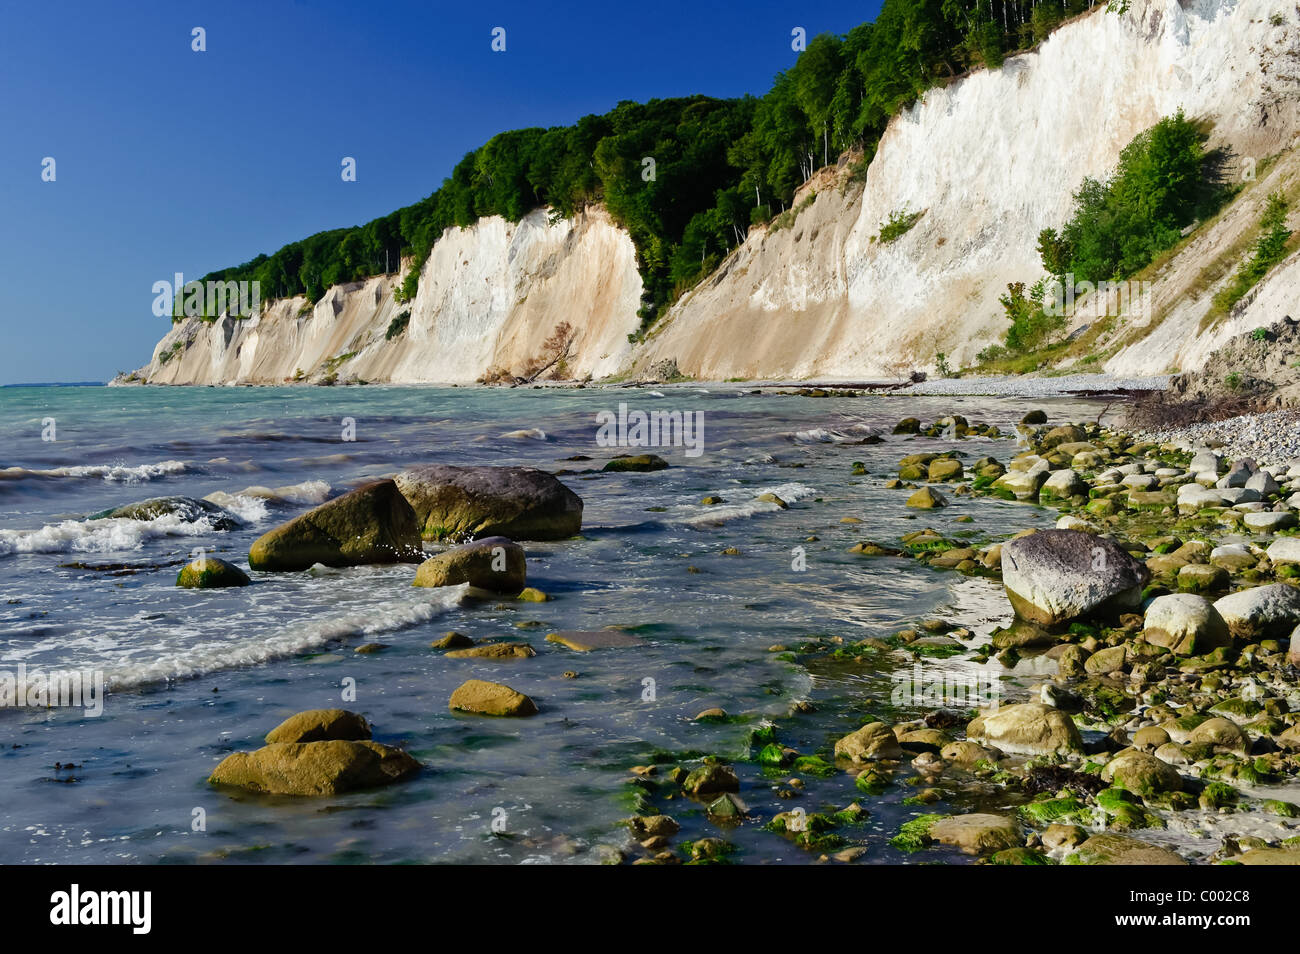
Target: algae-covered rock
(494, 651)
(372, 524)
(927, 498)
(636, 463)
(481, 697)
(1112, 849)
(1141, 773)
(516, 502)
(208, 573)
(314, 768)
(492, 563)
(978, 833)
(873, 741)
(711, 778)
(320, 725)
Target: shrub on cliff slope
(1164, 181)
(1269, 249)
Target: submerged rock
(927, 498)
(711, 778)
(207, 573)
(585, 641)
(978, 833)
(314, 768)
(188, 509)
(1055, 576)
(492, 563)
(516, 502)
(636, 463)
(495, 651)
(491, 698)
(372, 524)
(1110, 849)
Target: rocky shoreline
(1160, 617)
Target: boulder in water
(1055, 576)
(188, 509)
(492, 563)
(372, 524)
(516, 502)
(207, 573)
(314, 768)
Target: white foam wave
(113, 473)
(294, 638)
(100, 536)
(722, 513)
(251, 503)
(853, 434)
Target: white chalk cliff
(989, 161)
(489, 296)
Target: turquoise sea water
(194, 675)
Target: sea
(737, 605)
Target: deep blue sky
(170, 160)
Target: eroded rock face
(372, 524)
(516, 502)
(314, 768)
(492, 563)
(1055, 576)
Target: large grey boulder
(1055, 576)
(1262, 612)
(516, 502)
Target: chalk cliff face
(489, 296)
(987, 162)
